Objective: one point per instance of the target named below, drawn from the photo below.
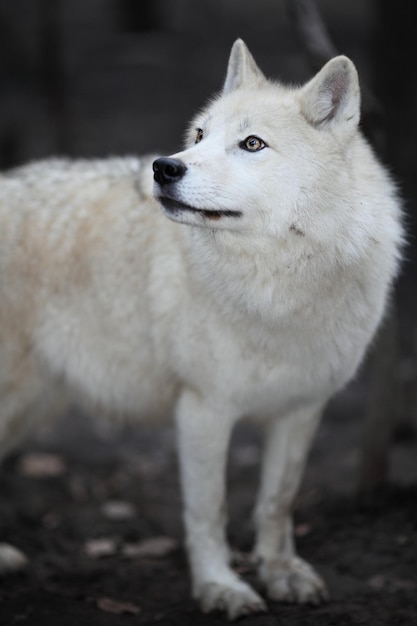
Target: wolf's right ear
(241, 69)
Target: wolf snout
(168, 170)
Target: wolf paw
(293, 580)
(11, 559)
(236, 598)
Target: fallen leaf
(398, 584)
(11, 559)
(302, 530)
(377, 582)
(156, 547)
(391, 585)
(118, 510)
(41, 465)
(98, 548)
(402, 540)
(118, 608)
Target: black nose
(168, 170)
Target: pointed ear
(333, 95)
(241, 69)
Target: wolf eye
(252, 144)
(199, 135)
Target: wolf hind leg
(20, 410)
(286, 576)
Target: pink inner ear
(335, 87)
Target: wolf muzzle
(167, 170)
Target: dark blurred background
(94, 78)
(100, 77)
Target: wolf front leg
(204, 435)
(285, 575)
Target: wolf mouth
(173, 206)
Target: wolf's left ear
(333, 95)
(242, 69)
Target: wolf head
(261, 155)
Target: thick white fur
(266, 314)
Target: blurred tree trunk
(381, 407)
(396, 86)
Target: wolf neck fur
(260, 277)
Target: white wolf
(257, 297)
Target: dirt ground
(99, 515)
(98, 510)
